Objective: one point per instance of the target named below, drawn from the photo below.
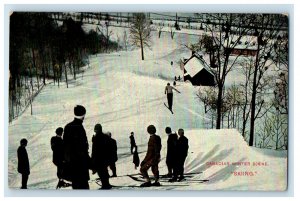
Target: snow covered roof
(195, 64)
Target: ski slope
(124, 94)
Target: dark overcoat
(101, 151)
(171, 148)
(114, 148)
(23, 161)
(76, 151)
(182, 147)
(58, 150)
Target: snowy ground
(126, 94)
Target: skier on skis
(181, 154)
(171, 151)
(169, 92)
(152, 158)
(114, 157)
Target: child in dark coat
(136, 158)
(23, 163)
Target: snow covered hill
(126, 94)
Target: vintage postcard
(148, 101)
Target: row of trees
(40, 49)
(265, 87)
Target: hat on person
(168, 130)
(79, 111)
(180, 131)
(98, 128)
(151, 129)
(23, 141)
(59, 130)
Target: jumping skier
(169, 92)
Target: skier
(23, 163)
(101, 155)
(181, 154)
(58, 155)
(132, 142)
(169, 92)
(76, 151)
(114, 156)
(136, 158)
(152, 158)
(171, 151)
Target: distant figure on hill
(23, 163)
(174, 83)
(152, 158)
(114, 156)
(169, 92)
(132, 142)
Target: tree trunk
(66, 75)
(34, 66)
(253, 99)
(44, 74)
(142, 49)
(219, 107)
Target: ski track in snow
(126, 94)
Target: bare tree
(267, 34)
(140, 32)
(125, 40)
(160, 28)
(280, 57)
(225, 35)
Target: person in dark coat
(152, 158)
(132, 142)
(136, 158)
(181, 153)
(58, 152)
(23, 163)
(101, 155)
(114, 156)
(171, 151)
(57, 147)
(76, 154)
